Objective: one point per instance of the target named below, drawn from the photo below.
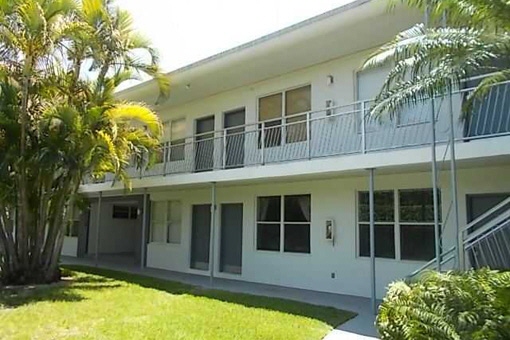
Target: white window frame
(282, 223)
(166, 221)
(283, 117)
(76, 220)
(397, 224)
(166, 141)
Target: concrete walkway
(361, 327)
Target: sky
(187, 31)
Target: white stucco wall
(70, 246)
(332, 198)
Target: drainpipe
(144, 228)
(212, 234)
(98, 220)
(434, 186)
(453, 173)
(372, 241)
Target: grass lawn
(102, 304)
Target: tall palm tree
(60, 121)
(464, 38)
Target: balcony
(329, 132)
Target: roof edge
(255, 42)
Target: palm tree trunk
(22, 222)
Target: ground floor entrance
(112, 229)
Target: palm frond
(135, 113)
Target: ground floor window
(166, 222)
(124, 212)
(283, 223)
(404, 224)
(73, 226)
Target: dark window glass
(297, 208)
(160, 153)
(133, 213)
(125, 212)
(295, 131)
(384, 206)
(269, 209)
(384, 240)
(177, 150)
(417, 205)
(298, 100)
(72, 228)
(272, 133)
(268, 236)
(297, 238)
(417, 242)
(120, 211)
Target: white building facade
(263, 171)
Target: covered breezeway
(114, 230)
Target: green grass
(103, 304)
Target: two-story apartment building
(263, 174)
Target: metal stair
(486, 243)
(487, 239)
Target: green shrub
(463, 306)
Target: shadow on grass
(66, 290)
(328, 315)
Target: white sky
(187, 31)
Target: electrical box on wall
(329, 105)
(330, 230)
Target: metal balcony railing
(333, 131)
(487, 238)
(486, 242)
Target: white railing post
(263, 142)
(224, 148)
(308, 135)
(363, 129)
(166, 156)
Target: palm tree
(60, 121)
(464, 38)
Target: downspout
(437, 236)
(372, 242)
(144, 228)
(98, 220)
(213, 233)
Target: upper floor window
(404, 224)
(177, 139)
(172, 141)
(284, 116)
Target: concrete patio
(361, 327)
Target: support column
(453, 172)
(98, 220)
(437, 231)
(144, 227)
(372, 241)
(212, 241)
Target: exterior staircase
(486, 243)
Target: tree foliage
(464, 38)
(61, 61)
(467, 306)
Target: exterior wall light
(330, 80)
